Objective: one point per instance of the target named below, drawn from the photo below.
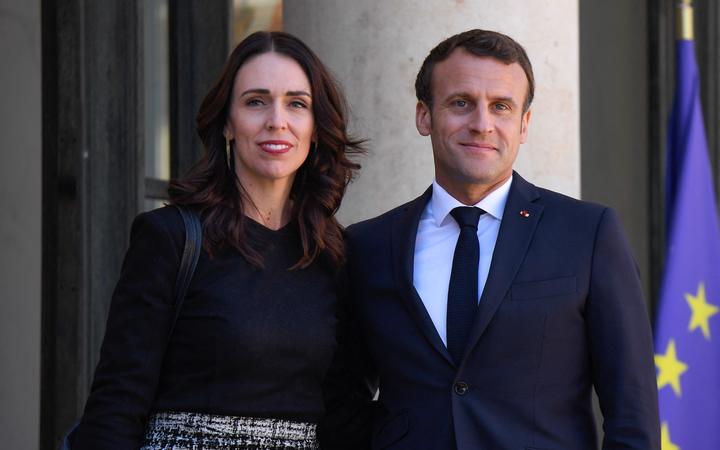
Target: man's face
(476, 124)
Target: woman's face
(270, 120)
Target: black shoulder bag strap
(188, 262)
(190, 256)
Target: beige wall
(375, 48)
(20, 203)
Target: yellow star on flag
(665, 443)
(670, 368)
(702, 311)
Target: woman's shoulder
(158, 223)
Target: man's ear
(524, 123)
(423, 118)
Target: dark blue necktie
(463, 288)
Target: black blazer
(562, 311)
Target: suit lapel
(516, 232)
(404, 232)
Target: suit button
(460, 388)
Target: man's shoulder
(553, 201)
(383, 220)
(561, 209)
(557, 199)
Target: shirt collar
(493, 204)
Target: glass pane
(156, 89)
(250, 16)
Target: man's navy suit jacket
(562, 311)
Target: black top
(248, 341)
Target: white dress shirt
(435, 246)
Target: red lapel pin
(525, 213)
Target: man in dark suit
(490, 307)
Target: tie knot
(467, 216)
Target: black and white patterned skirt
(192, 431)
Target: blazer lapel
(404, 232)
(519, 222)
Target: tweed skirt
(193, 431)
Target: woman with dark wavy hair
(256, 337)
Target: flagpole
(684, 26)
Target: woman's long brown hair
(213, 189)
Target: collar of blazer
(516, 232)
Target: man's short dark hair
(479, 43)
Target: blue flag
(687, 329)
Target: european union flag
(687, 329)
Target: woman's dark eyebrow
(267, 91)
(297, 93)
(256, 91)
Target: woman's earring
(228, 153)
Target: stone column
(375, 48)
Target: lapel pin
(525, 213)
